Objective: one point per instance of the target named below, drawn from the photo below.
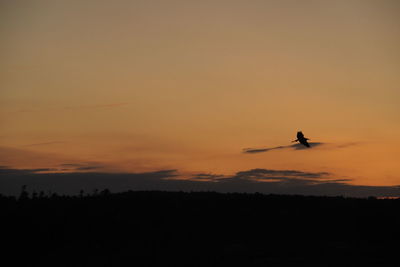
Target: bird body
(301, 139)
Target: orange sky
(148, 85)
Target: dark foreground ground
(199, 229)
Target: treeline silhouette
(155, 228)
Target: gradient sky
(141, 86)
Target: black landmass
(156, 228)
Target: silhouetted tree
(95, 192)
(105, 193)
(24, 194)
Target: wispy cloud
(206, 177)
(300, 147)
(94, 106)
(259, 150)
(4, 170)
(46, 143)
(110, 105)
(76, 167)
(267, 174)
(344, 145)
(294, 146)
(88, 168)
(71, 165)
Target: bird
(302, 139)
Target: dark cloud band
(255, 180)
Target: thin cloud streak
(300, 147)
(294, 146)
(97, 106)
(111, 105)
(82, 166)
(46, 143)
(268, 174)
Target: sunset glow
(144, 86)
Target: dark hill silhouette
(156, 228)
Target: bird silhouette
(301, 139)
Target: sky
(188, 88)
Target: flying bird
(302, 139)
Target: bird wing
(304, 142)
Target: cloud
(46, 143)
(110, 105)
(71, 165)
(267, 174)
(278, 179)
(11, 180)
(81, 166)
(259, 150)
(28, 158)
(10, 171)
(254, 180)
(299, 147)
(347, 144)
(88, 168)
(299, 182)
(206, 177)
(96, 106)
